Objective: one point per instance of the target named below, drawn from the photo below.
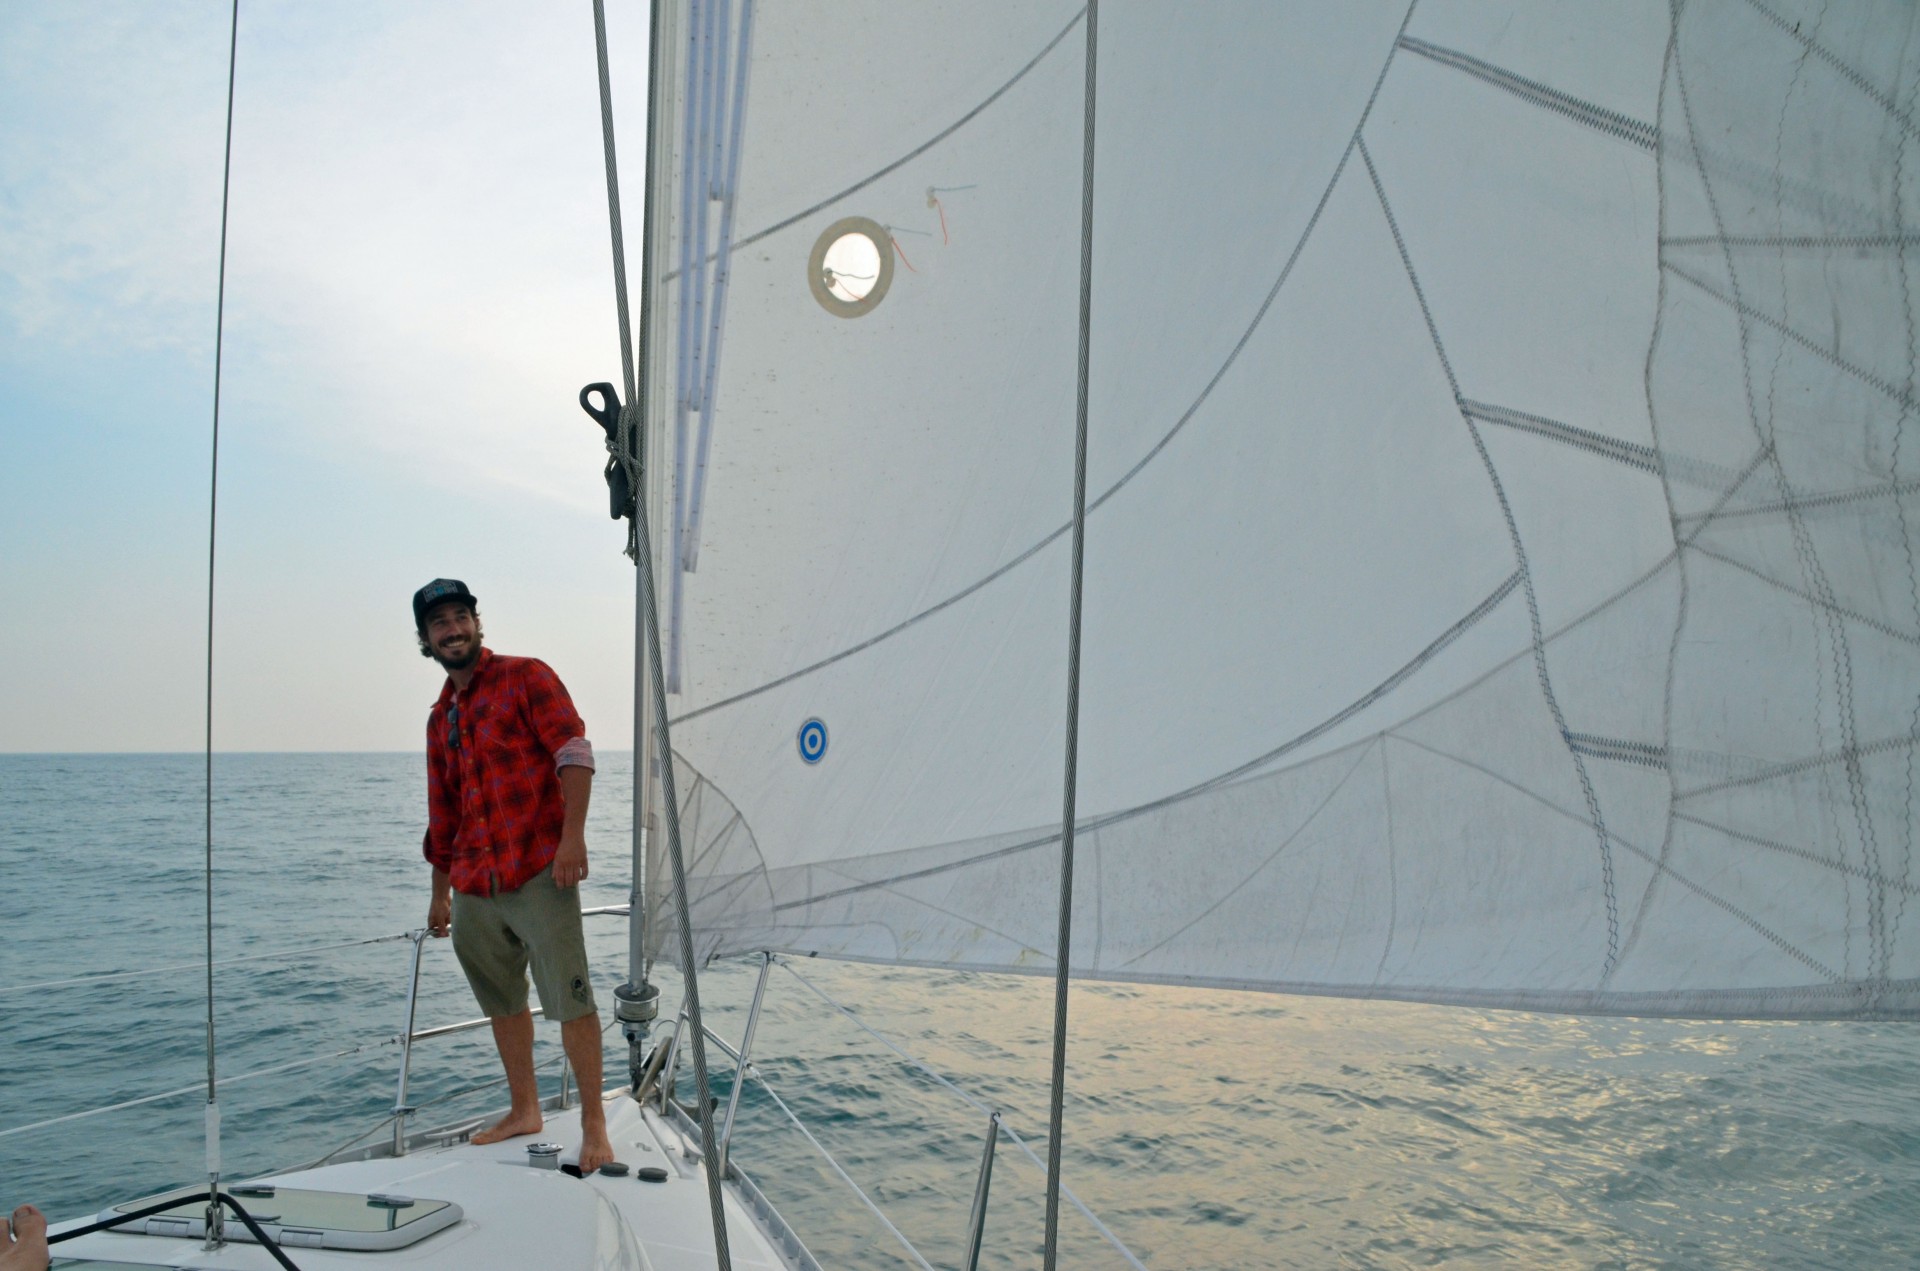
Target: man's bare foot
(510, 1126)
(26, 1243)
(595, 1151)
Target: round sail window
(851, 267)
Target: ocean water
(1206, 1129)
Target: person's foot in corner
(26, 1243)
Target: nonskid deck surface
(516, 1216)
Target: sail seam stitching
(1645, 458)
(1891, 933)
(1520, 556)
(1863, 494)
(1847, 755)
(1612, 122)
(1828, 605)
(1811, 857)
(1810, 241)
(1251, 874)
(1852, 76)
(1660, 865)
(1840, 654)
(1748, 311)
(1682, 583)
(1644, 753)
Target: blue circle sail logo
(813, 741)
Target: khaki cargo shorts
(497, 938)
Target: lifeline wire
(213, 522)
(105, 976)
(183, 1090)
(1056, 1090)
(650, 632)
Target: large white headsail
(1500, 584)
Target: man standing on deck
(509, 773)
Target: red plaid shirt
(494, 806)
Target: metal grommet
(820, 278)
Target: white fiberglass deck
(515, 1216)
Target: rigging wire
(1063, 954)
(105, 976)
(845, 1177)
(214, 1215)
(302, 950)
(164, 1095)
(650, 627)
(978, 1105)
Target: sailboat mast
(636, 1001)
(645, 777)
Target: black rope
(120, 1220)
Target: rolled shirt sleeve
(576, 753)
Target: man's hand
(570, 861)
(440, 908)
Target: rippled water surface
(1206, 1129)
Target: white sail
(1499, 579)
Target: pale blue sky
(418, 285)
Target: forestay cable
(632, 420)
(213, 521)
(1064, 948)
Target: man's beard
(462, 661)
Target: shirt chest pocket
(494, 733)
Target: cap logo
(438, 590)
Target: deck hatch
(302, 1218)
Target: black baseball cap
(436, 591)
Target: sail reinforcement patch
(813, 741)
